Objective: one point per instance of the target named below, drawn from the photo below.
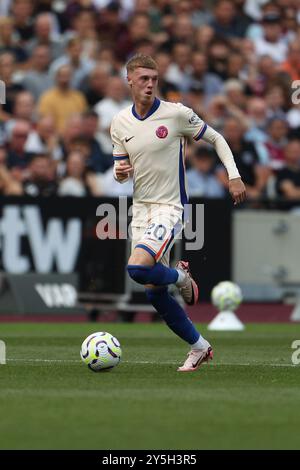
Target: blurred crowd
(235, 62)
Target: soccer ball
(226, 296)
(101, 351)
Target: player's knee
(141, 257)
(139, 273)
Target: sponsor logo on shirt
(194, 119)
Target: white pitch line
(73, 361)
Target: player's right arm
(122, 167)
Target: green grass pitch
(247, 398)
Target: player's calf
(158, 275)
(186, 284)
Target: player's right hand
(123, 170)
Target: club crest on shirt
(162, 132)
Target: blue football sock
(158, 275)
(173, 314)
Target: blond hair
(141, 60)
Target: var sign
(35, 293)
(57, 295)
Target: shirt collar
(152, 110)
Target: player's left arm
(236, 186)
(191, 125)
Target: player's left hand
(237, 190)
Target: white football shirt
(155, 147)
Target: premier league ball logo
(162, 132)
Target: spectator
(37, 79)
(225, 21)
(62, 101)
(180, 69)
(22, 13)
(78, 181)
(73, 9)
(242, 18)
(98, 160)
(201, 178)
(200, 16)
(256, 30)
(236, 66)
(83, 146)
(288, 178)
(218, 53)
(41, 179)
(271, 43)
(47, 6)
(109, 25)
(146, 47)
(232, 104)
(107, 55)
(8, 39)
(44, 140)
(44, 36)
(17, 157)
(183, 29)
(72, 131)
(235, 97)
(114, 101)
(252, 173)
(253, 8)
(81, 65)
(24, 106)
(257, 127)
(155, 15)
(204, 35)
(257, 120)
(264, 75)
(84, 27)
(210, 83)
(95, 84)
(138, 28)
(276, 142)
(194, 99)
(217, 112)
(277, 101)
(168, 90)
(292, 64)
(23, 109)
(8, 185)
(290, 22)
(12, 87)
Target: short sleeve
(119, 152)
(190, 124)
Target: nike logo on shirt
(129, 138)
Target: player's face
(143, 83)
